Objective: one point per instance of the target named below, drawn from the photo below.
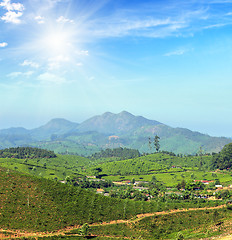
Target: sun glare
(56, 43)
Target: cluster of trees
(26, 152)
(86, 183)
(121, 153)
(223, 160)
(190, 185)
(129, 193)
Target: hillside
(110, 131)
(37, 204)
(38, 207)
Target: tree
(156, 143)
(153, 179)
(149, 144)
(223, 160)
(96, 171)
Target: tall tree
(156, 143)
(149, 144)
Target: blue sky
(169, 61)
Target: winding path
(12, 234)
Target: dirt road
(10, 234)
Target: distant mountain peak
(125, 113)
(107, 114)
(54, 126)
(110, 123)
(59, 121)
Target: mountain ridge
(111, 130)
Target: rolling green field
(53, 168)
(170, 170)
(38, 204)
(37, 201)
(171, 179)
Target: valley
(115, 120)
(43, 193)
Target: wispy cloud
(159, 21)
(51, 78)
(18, 74)
(79, 64)
(218, 25)
(126, 27)
(30, 63)
(56, 62)
(176, 52)
(3, 44)
(62, 19)
(40, 20)
(14, 11)
(83, 53)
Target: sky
(168, 61)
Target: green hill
(38, 204)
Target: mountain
(110, 123)
(56, 126)
(19, 130)
(110, 130)
(13, 137)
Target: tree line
(26, 152)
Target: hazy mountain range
(110, 130)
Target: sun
(56, 46)
(56, 42)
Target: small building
(100, 190)
(140, 188)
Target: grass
(54, 168)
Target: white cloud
(79, 64)
(17, 74)
(177, 52)
(40, 20)
(83, 53)
(12, 17)
(123, 27)
(216, 25)
(51, 78)
(30, 63)
(3, 44)
(14, 11)
(62, 19)
(6, 4)
(28, 74)
(14, 74)
(156, 20)
(55, 62)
